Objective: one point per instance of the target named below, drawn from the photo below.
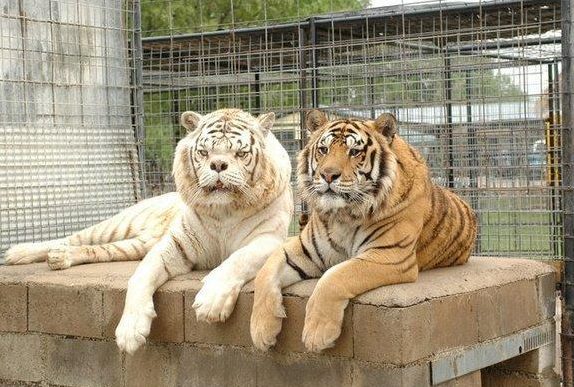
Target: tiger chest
(335, 242)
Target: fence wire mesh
(474, 86)
(68, 154)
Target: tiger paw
(266, 319)
(19, 254)
(323, 324)
(134, 328)
(216, 300)
(60, 258)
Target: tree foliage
(184, 16)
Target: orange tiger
(376, 219)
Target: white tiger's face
(224, 154)
(224, 157)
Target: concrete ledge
(61, 324)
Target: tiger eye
(241, 154)
(354, 152)
(203, 152)
(323, 150)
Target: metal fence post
(568, 189)
(138, 100)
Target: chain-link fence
(68, 155)
(475, 87)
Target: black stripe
(339, 249)
(456, 242)
(354, 125)
(300, 271)
(366, 239)
(122, 251)
(393, 245)
(314, 240)
(179, 247)
(409, 267)
(305, 251)
(383, 263)
(437, 229)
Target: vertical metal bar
(314, 69)
(568, 189)
(448, 91)
(372, 96)
(302, 107)
(472, 147)
(138, 101)
(257, 91)
(551, 157)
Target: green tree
(184, 16)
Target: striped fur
(232, 208)
(376, 219)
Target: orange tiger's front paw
(266, 319)
(323, 324)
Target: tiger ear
(266, 121)
(386, 124)
(315, 119)
(189, 120)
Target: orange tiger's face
(347, 164)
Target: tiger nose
(218, 165)
(330, 174)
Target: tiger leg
(117, 227)
(287, 265)
(165, 260)
(368, 270)
(32, 252)
(65, 255)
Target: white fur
(234, 243)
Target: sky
(383, 3)
(528, 78)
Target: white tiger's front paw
(134, 328)
(60, 258)
(216, 300)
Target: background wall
(67, 147)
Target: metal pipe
(567, 87)
(448, 97)
(138, 109)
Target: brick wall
(57, 328)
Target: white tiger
(232, 209)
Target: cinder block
(218, 366)
(488, 314)
(289, 340)
(492, 377)
(518, 306)
(234, 331)
(73, 362)
(153, 365)
(535, 362)
(114, 300)
(469, 380)
(66, 310)
(166, 327)
(20, 357)
(454, 322)
(546, 286)
(13, 308)
(303, 371)
(365, 375)
(392, 335)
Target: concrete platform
(57, 328)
